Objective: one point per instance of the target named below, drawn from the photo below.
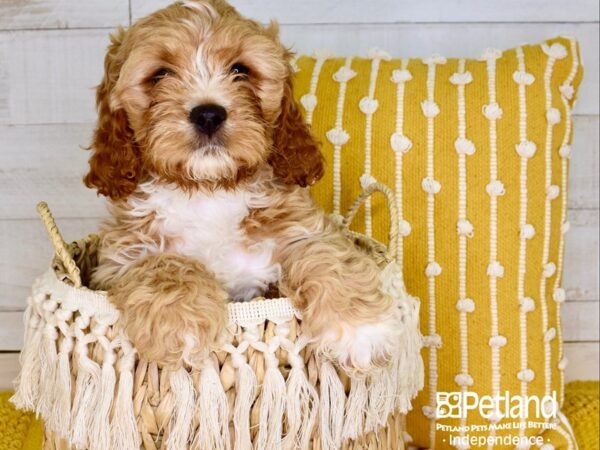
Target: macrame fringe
(60, 419)
(124, 430)
(245, 392)
(407, 369)
(82, 410)
(302, 402)
(86, 387)
(213, 412)
(272, 407)
(48, 366)
(355, 409)
(379, 387)
(181, 421)
(100, 425)
(410, 369)
(28, 383)
(393, 391)
(331, 406)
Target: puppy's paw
(363, 348)
(172, 309)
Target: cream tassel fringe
(332, 407)
(213, 412)
(272, 406)
(48, 365)
(393, 392)
(245, 391)
(93, 421)
(302, 402)
(181, 421)
(123, 427)
(410, 368)
(100, 427)
(28, 383)
(60, 419)
(355, 409)
(86, 388)
(409, 372)
(380, 389)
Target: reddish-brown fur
(296, 158)
(115, 165)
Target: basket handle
(392, 210)
(60, 247)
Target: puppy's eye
(239, 71)
(160, 74)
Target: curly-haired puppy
(205, 157)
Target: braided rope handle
(392, 210)
(60, 247)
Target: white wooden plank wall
(51, 55)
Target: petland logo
(456, 405)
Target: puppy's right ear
(115, 164)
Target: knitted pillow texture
(477, 151)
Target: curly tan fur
(328, 278)
(198, 218)
(172, 300)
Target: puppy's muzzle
(208, 118)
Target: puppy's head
(197, 95)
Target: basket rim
(96, 302)
(246, 313)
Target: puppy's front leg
(173, 309)
(338, 289)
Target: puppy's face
(196, 95)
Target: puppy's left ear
(296, 158)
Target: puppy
(205, 157)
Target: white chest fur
(207, 227)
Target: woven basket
(265, 389)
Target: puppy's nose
(208, 118)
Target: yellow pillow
(478, 154)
